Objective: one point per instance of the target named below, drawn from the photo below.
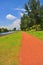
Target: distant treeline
(6, 30)
(3, 30)
(33, 16)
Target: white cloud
(10, 17)
(21, 14)
(15, 24)
(20, 9)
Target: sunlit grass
(9, 49)
(38, 34)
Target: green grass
(9, 49)
(38, 34)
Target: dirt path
(31, 50)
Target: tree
(26, 22)
(6, 30)
(23, 22)
(14, 29)
(34, 16)
(41, 16)
(33, 10)
(0, 30)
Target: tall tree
(33, 7)
(25, 23)
(0, 30)
(41, 16)
(34, 14)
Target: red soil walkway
(31, 50)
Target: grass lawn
(38, 34)
(9, 49)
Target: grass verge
(38, 34)
(9, 49)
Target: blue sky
(11, 8)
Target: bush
(34, 27)
(38, 28)
(41, 27)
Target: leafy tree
(3, 30)
(14, 29)
(33, 10)
(41, 16)
(6, 30)
(0, 30)
(26, 22)
(34, 16)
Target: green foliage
(38, 34)
(36, 27)
(34, 16)
(6, 30)
(3, 30)
(0, 30)
(14, 29)
(24, 22)
(41, 16)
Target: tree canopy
(34, 15)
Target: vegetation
(9, 49)
(3, 30)
(14, 29)
(34, 17)
(38, 34)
